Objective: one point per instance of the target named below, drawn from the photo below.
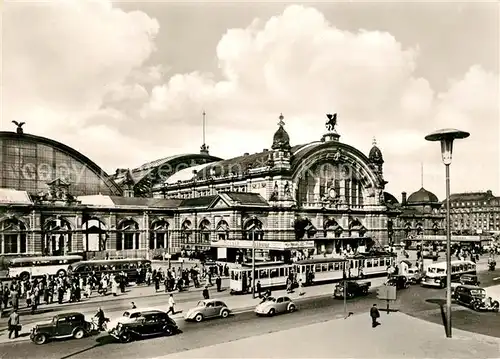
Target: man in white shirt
(171, 305)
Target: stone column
(112, 235)
(77, 237)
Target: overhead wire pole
(253, 265)
(204, 119)
(345, 291)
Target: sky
(127, 82)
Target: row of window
(474, 203)
(203, 193)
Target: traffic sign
(386, 292)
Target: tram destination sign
(276, 245)
(453, 238)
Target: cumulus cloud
(95, 77)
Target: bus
(110, 266)
(435, 275)
(27, 267)
(311, 271)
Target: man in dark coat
(218, 282)
(206, 295)
(374, 313)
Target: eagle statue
(19, 125)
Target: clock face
(332, 193)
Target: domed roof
(375, 154)
(281, 139)
(422, 196)
(389, 198)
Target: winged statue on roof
(19, 125)
(331, 122)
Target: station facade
(320, 198)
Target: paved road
(195, 335)
(416, 301)
(421, 303)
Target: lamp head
(446, 137)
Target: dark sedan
(151, 323)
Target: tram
(311, 271)
(269, 274)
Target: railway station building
(288, 202)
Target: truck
(354, 289)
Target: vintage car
(128, 316)
(475, 298)
(354, 289)
(149, 324)
(466, 279)
(469, 279)
(398, 281)
(209, 308)
(414, 275)
(271, 306)
(64, 325)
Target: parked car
(474, 297)
(64, 325)
(209, 308)
(354, 289)
(149, 324)
(271, 306)
(398, 281)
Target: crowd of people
(32, 292)
(179, 279)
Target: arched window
(222, 230)
(57, 237)
(94, 235)
(204, 232)
(158, 235)
(420, 229)
(128, 235)
(186, 232)
(332, 229)
(253, 230)
(12, 236)
(331, 182)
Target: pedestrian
(301, 288)
(13, 324)
(259, 289)
(171, 305)
(218, 283)
(114, 286)
(206, 295)
(133, 305)
(374, 314)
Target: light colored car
(210, 308)
(128, 316)
(271, 306)
(414, 275)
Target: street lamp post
(446, 137)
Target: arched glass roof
(185, 174)
(28, 163)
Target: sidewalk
(131, 294)
(398, 336)
(237, 303)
